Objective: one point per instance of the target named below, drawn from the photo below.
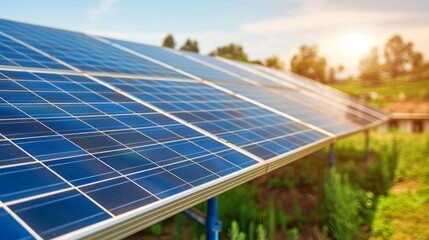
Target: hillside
(387, 91)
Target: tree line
(398, 57)
(231, 51)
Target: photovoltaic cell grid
(301, 104)
(73, 143)
(297, 108)
(244, 124)
(316, 112)
(17, 55)
(349, 103)
(84, 52)
(232, 69)
(173, 58)
(341, 118)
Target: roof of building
(409, 110)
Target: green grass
(402, 216)
(404, 212)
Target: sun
(356, 44)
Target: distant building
(408, 116)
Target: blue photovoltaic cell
(174, 58)
(9, 112)
(82, 169)
(58, 214)
(119, 195)
(199, 174)
(126, 161)
(17, 55)
(27, 180)
(102, 143)
(10, 154)
(161, 182)
(11, 229)
(244, 124)
(51, 147)
(23, 128)
(82, 51)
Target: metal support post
(366, 156)
(212, 226)
(331, 160)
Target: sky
(344, 30)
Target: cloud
(105, 7)
(324, 20)
(327, 26)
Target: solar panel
(299, 106)
(331, 96)
(290, 99)
(92, 149)
(174, 58)
(244, 124)
(103, 137)
(245, 76)
(83, 52)
(15, 54)
(311, 112)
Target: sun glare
(356, 44)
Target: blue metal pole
(212, 228)
(331, 160)
(366, 145)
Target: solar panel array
(97, 135)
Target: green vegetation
(190, 46)
(346, 204)
(234, 232)
(309, 64)
(169, 41)
(231, 51)
(384, 197)
(404, 212)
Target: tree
(231, 51)
(333, 71)
(169, 42)
(190, 46)
(370, 67)
(331, 75)
(398, 55)
(274, 62)
(417, 60)
(307, 63)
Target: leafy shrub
(234, 232)
(271, 221)
(156, 229)
(293, 234)
(342, 202)
(261, 233)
